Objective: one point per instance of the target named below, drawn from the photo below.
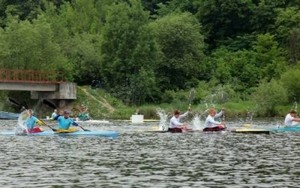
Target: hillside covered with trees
(145, 51)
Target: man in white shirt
(175, 124)
(54, 114)
(211, 124)
(291, 118)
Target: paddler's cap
(66, 112)
(176, 112)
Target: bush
(268, 95)
(291, 80)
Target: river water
(141, 159)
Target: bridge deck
(41, 84)
(30, 76)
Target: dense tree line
(143, 50)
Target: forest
(148, 51)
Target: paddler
(175, 124)
(291, 118)
(54, 114)
(211, 124)
(31, 122)
(64, 122)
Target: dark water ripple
(140, 159)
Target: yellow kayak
(251, 130)
(70, 130)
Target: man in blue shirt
(31, 122)
(64, 122)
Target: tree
(268, 95)
(269, 57)
(77, 27)
(291, 80)
(25, 45)
(23, 9)
(128, 50)
(182, 47)
(225, 19)
(288, 31)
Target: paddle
(83, 128)
(191, 97)
(223, 117)
(54, 130)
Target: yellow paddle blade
(154, 128)
(247, 125)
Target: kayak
(9, 115)
(215, 129)
(110, 134)
(171, 130)
(92, 121)
(251, 131)
(244, 130)
(286, 129)
(268, 130)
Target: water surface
(142, 159)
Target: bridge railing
(34, 76)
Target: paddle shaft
(83, 128)
(191, 97)
(56, 129)
(48, 125)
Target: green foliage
(182, 47)
(268, 95)
(291, 81)
(86, 57)
(149, 111)
(225, 19)
(80, 16)
(288, 32)
(269, 57)
(171, 96)
(23, 9)
(221, 48)
(5, 104)
(129, 53)
(245, 68)
(26, 45)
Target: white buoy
(137, 118)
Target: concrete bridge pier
(63, 94)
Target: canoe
(110, 134)
(9, 115)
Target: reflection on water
(142, 159)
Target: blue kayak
(111, 134)
(286, 129)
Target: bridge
(41, 84)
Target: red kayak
(178, 130)
(34, 130)
(214, 129)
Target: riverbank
(102, 105)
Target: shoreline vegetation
(142, 55)
(102, 105)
